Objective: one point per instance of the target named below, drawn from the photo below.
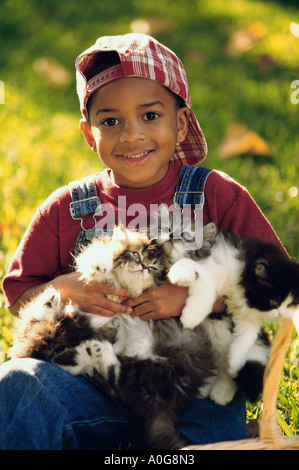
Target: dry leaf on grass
(243, 41)
(152, 25)
(239, 140)
(294, 27)
(52, 70)
(267, 63)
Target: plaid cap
(143, 56)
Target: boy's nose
(132, 132)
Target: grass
(41, 147)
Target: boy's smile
(134, 126)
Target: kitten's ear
(209, 231)
(164, 218)
(119, 233)
(161, 222)
(209, 235)
(163, 210)
(261, 270)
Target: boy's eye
(110, 122)
(151, 116)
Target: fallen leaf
(257, 29)
(152, 25)
(267, 63)
(279, 196)
(140, 26)
(52, 70)
(197, 56)
(243, 41)
(240, 42)
(239, 140)
(294, 27)
(293, 191)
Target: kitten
(257, 281)
(156, 368)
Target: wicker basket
(270, 437)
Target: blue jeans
(43, 407)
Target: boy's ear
(183, 115)
(87, 132)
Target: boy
(137, 116)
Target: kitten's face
(274, 287)
(128, 259)
(140, 266)
(184, 243)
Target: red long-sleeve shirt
(47, 246)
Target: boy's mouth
(136, 158)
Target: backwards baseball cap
(139, 55)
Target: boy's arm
(89, 297)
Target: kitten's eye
(135, 256)
(152, 269)
(187, 236)
(274, 303)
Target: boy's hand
(165, 301)
(159, 302)
(91, 297)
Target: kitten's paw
(87, 356)
(223, 391)
(102, 356)
(189, 319)
(54, 301)
(95, 263)
(101, 269)
(234, 366)
(183, 272)
(47, 303)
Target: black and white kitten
(257, 281)
(157, 368)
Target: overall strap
(85, 201)
(190, 187)
(84, 197)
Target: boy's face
(134, 126)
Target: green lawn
(241, 58)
